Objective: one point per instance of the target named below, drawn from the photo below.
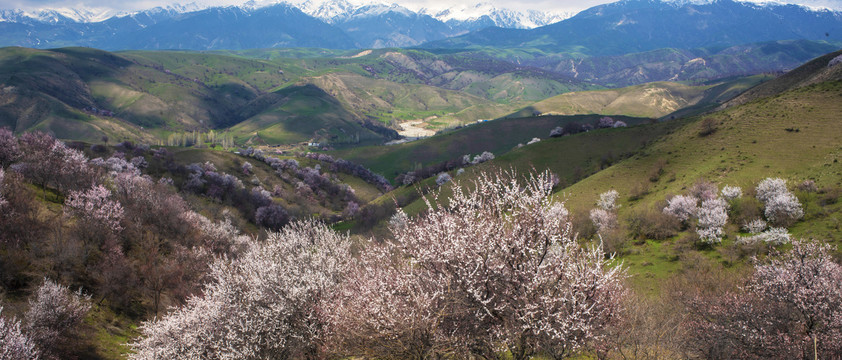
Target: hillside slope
(653, 100)
(815, 71)
(793, 134)
(84, 94)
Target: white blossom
(755, 226)
(608, 200)
(713, 216)
(682, 207)
(266, 304)
(731, 192)
(14, 344)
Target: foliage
(652, 224)
(272, 217)
(95, 206)
(788, 305)
(683, 207)
(442, 178)
(53, 316)
(731, 192)
(267, 303)
(713, 215)
(14, 344)
(493, 270)
(9, 147)
(608, 200)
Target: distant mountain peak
(59, 15)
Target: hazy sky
(553, 5)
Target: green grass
(751, 143)
(498, 137)
(111, 333)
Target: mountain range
(333, 24)
(617, 28)
(641, 25)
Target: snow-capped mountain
(330, 12)
(632, 26)
(505, 18)
(339, 11)
(620, 27)
(59, 15)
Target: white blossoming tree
(494, 270)
(14, 344)
(268, 303)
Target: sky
(544, 5)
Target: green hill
(654, 100)
(793, 134)
(84, 94)
(498, 137)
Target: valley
(336, 180)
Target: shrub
(731, 192)
(9, 148)
(54, 315)
(652, 224)
(712, 218)
(603, 220)
(745, 209)
(682, 207)
(273, 217)
(704, 190)
(783, 209)
(708, 126)
(808, 186)
(608, 200)
(755, 226)
(638, 191)
(481, 158)
(770, 187)
(442, 178)
(3, 201)
(657, 170)
(773, 236)
(605, 122)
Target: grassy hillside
(792, 134)
(652, 100)
(497, 137)
(813, 72)
(83, 94)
